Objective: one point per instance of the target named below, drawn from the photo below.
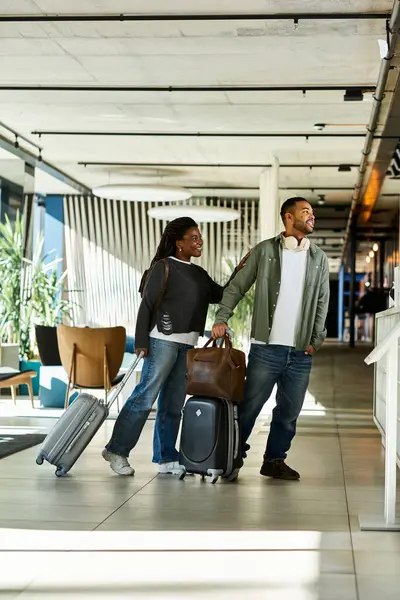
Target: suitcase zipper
(231, 432)
(79, 433)
(236, 425)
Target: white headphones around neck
(291, 243)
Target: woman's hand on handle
(138, 351)
(219, 330)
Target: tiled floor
(155, 537)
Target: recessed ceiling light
(142, 193)
(202, 214)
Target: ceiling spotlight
(321, 199)
(372, 253)
(375, 247)
(353, 95)
(368, 260)
(40, 157)
(16, 143)
(319, 126)
(344, 168)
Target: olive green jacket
(264, 267)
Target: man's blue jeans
(163, 375)
(290, 370)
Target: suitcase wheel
(60, 472)
(39, 460)
(182, 476)
(233, 476)
(209, 478)
(213, 475)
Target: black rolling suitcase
(210, 439)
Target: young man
(290, 308)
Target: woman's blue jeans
(163, 375)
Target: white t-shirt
(191, 338)
(289, 300)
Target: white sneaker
(171, 468)
(119, 464)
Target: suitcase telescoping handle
(117, 390)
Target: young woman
(171, 318)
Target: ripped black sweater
(184, 306)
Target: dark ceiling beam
(186, 88)
(43, 165)
(215, 165)
(205, 134)
(110, 18)
(19, 137)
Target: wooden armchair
(92, 357)
(9, 378)
(12, 378)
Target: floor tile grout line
(127, 500)
(344, 483)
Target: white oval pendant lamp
(142, 192)
(200, 213)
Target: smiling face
(301, 221)
(190, 246)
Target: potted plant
(31, 293)
(11, 251)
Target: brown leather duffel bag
(216, 372)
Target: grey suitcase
(77, 426)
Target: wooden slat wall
(109, 243)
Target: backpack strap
(164, 286)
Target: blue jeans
(290, 370)
(163, 375)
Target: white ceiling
(255, 52)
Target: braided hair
(174, 231)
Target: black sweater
(184, 305)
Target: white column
(269, 219)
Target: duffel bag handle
(225, 340)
